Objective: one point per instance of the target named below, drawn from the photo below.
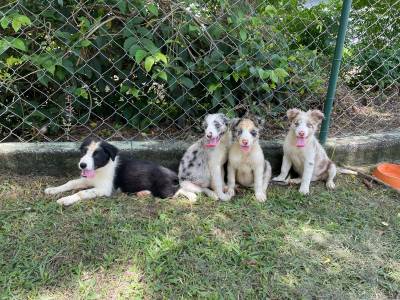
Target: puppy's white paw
(51, 191)
(304, 190)
(294, 181)
(279, 178)
(330, 185)
(143, 194)
(67, 200)
(261, 197)
(231, 192)
(224, 197)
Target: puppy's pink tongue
(88, 173)
(245, 148)
(212, 142)
(300, 141)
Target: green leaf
(19, 21)
(86, 43)
(43, 78)
(187, 82)
(235, 76)
(153, 9)
(16, 25)
(193, 28)
(133, 91)
(270, 10)
(159, 56)
(140, 55)
(163, 75)
(281, 73)
(4, 45)
(18, 44)
(129, 42)
(81, 92)
(213, 87)
(68, 65)
(273, 76)
(243, 35)
(149, 45)
(148, 63)
(123, 6)
(4, 22)
(11, 61)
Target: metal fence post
(330, 96)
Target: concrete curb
(60, 159)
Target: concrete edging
(60, 159)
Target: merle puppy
(104, 170)
(201, 168)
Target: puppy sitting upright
(201, 167)
(104, 170)
(246, 162)
(302, 150)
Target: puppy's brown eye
(309, 125)
(296, 124)
(253, 132)
(217, 125)
(239, 132)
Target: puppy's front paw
(231, 192)
(143, 194)
(224, 197)
(279, 178)
(51, 191)
(330, 185)
(261, 197)
(67, 200)
(304, 190)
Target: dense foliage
(136, 63)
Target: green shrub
(137, 64)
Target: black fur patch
(110, 149)
(136, 175)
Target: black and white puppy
(103, 171)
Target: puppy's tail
(189, 190)
(346, 171)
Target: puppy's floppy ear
(233, 123)
(316, 115)
(292, 113)
(110, 149)
(224, 119)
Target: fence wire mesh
(142, 69)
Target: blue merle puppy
(201, 169)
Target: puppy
(303, 151)
(103, 171)
(201, 168)
(246, 162)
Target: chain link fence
(142, 69)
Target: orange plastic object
(388, 173)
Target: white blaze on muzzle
(302, 131)
(246, 140)
(88, 170)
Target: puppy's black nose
(82, 165)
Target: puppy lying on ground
(246, 162)
(201, 168)
(104, 171)
(303, 151)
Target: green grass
(342, 244)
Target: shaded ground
(342, 244)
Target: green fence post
(330, 95)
